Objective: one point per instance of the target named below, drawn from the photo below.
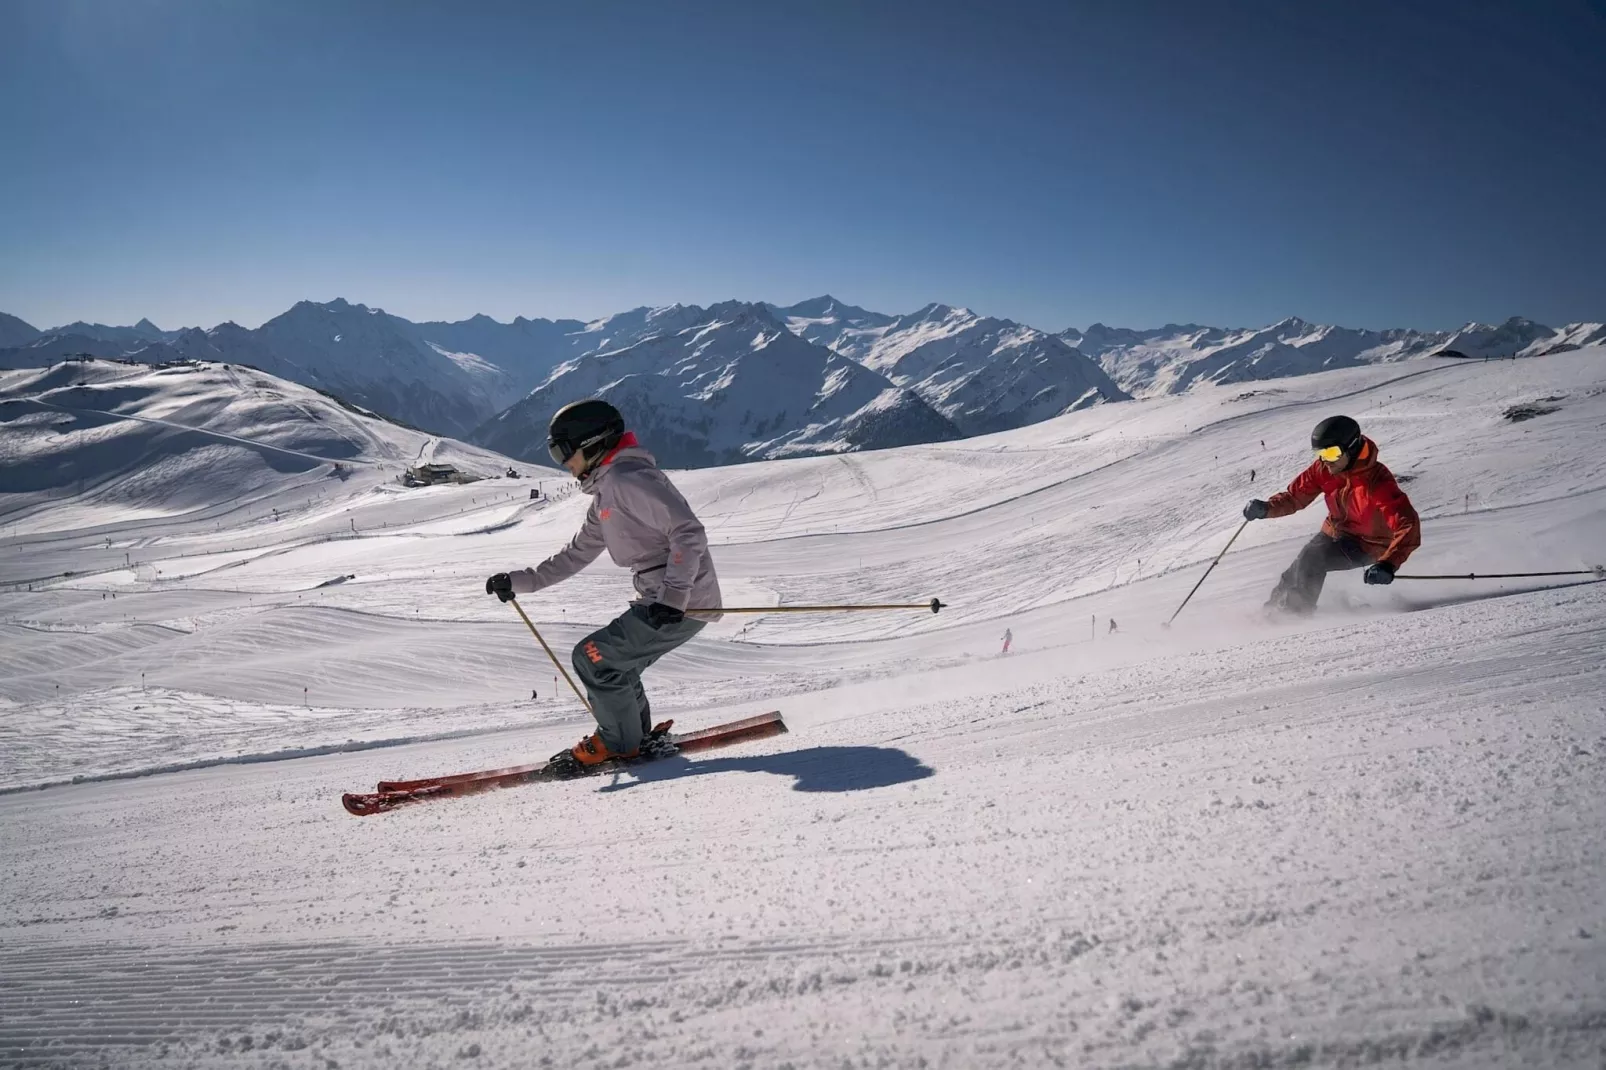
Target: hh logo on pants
(593, 653)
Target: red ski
(393, 793)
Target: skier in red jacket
(1370, 521)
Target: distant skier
(1112, 626)
(1251, 475)
(1009, 637)
(639, 517)
(1370, 521)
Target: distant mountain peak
(338, 306)
(826, 306)
(814, 306)
(739, 310)
(15, 331)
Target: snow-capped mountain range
(828, 376)
(724, 384)
(827, 322)
(985, 374)
(1173, 358)
(444, 377)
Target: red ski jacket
(1363, 502)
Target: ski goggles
(562, 449)
(1330, 453)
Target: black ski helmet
(590, 428)
(1340, 431)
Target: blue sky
(1373, 164)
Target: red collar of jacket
(626, 441)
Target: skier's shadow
(816, 768)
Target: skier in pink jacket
(644, 523)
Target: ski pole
(1207, 571)
(531, 625)
(1598, 571)
(934, 605)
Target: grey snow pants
(610, 662)
(1301, 583)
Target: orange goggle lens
(1330, 453)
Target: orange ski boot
(586, 757)
(592, 751)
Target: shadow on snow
(816, 768)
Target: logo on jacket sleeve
(604, 514)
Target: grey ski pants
(610, 662)
(1301, 583)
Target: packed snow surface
(1375, 836)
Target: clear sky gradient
(1368, 163)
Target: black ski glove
(1382, 572)
(659, 615)
(1256, 510)
(500, 585)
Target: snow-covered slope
(1373, 836)
(126, 441)
(721, 385)
(982, 373)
